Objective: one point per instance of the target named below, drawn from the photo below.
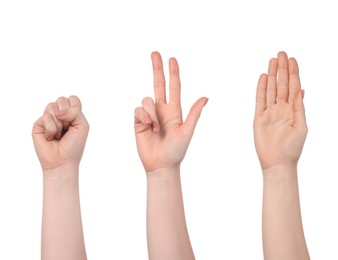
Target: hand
(60, 134)
(280, 127)
(161, 136)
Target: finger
(271, 86)
(63, 104)
(49, 116)
(299, 111)
(143, 121)
(261, 93)
(149, 106)
(75, 101)
(159, 80)
(294, 84)
(74, 117)
(50, 127)
(142, 117)
(194, 114)
(38, 128)
(283, 78)
(175, 83)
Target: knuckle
(50, 107)
(137, 110)
(75, 101)
(74, 98)
(62, 99)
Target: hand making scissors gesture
(162, 136)
(162, 140)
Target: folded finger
(51, 130)
(53, 126)
(74, 117)
(149, 106)
(63, 104)
(142, 117)
(75, 101)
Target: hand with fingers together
(279, 125)
(59, 138)
(162, 140)
(280, 131)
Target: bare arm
(283, 235)
(62, 235)
(280, 131)
(59, 138)
(166, 226)
(162, 140)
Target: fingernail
(156, 127)
(50, 138)
(61, 112)
(206, 101)
(147, 120)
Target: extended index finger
(159, 80)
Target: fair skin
(59, 137)
(280, 131)
(162, 139)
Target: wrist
(66, 170)
(279, 168)
(163, 173)
(61, 180)
(280, 174)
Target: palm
(279, 128)
(156, 149)
(277, 140)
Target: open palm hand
(280, 127)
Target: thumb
(74, 117)
(194, 114)
(299, 110)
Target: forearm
(283, 236)
(62, 235)
(167, 232)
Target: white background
(100, 51)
